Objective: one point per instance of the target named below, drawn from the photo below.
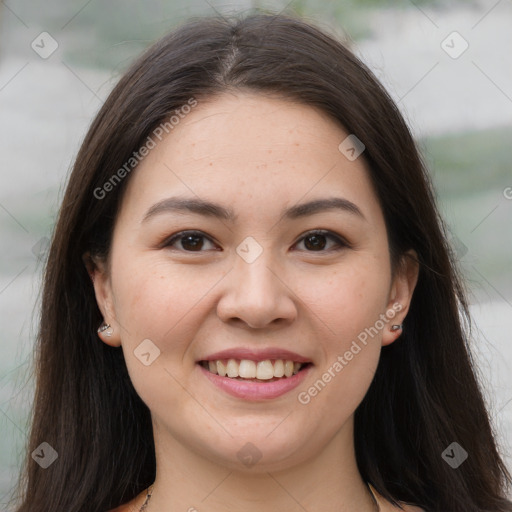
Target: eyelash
(342, 243)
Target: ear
(400, 295)
(97, 268)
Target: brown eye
(316, 241)
(191, 241)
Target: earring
(397, 327)
(103, 327)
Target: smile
(247, 369)
(254, 380)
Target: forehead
(248, 149)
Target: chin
(258, 449)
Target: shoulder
(405, 508)
(412, 508)
(386, 506)
(124, 508)
(132, 506)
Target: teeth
(221, 369)
(247, 369)
(279, 368)
(264, 370)
(232, 368)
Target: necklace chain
(148, 497)
(150, 493)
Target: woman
(249, 301)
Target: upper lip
(256, 355)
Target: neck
(329, 482)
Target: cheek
(346, 306)
(159, 301)
(348, 299)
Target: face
(288, 273)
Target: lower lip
(251, 390)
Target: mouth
(268, 370)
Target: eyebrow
(210, 209)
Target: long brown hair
(424, 395)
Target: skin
(258, 155)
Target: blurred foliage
(109, 34)
(465, 163)
(470, 171)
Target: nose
(257, 295)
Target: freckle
(211, 163)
